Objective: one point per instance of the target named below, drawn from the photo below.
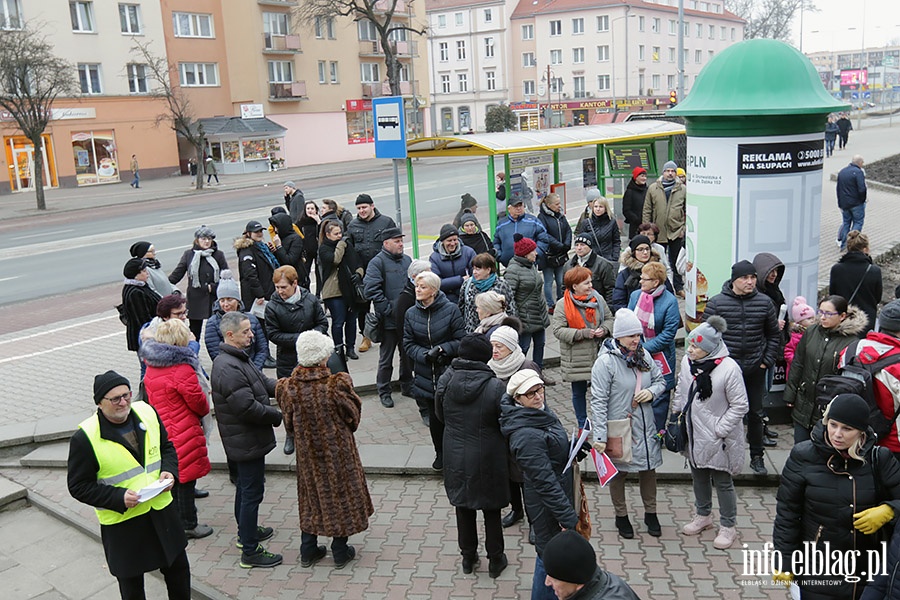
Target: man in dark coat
(291, 311)
(851, 197)
(603, 272)
(844, 127)
(256, 264)
(385, 278)
(245, 418)
(451, 261)
(753, 339)
(573, 573)
(138, 537)
(138, 300)
(633, 200)
(293, 201)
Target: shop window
(465, 120)
(360, 129)
(447, 119)
(95, 157)
(255, 149)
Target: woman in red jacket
(177, 388)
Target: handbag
(583, 526)
(374, 327)
(618, 440)
(123, 316)
(357, 289)
(676, 436)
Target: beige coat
(577, 352)
(669, 215)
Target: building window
(329, 28)
(722, 31)
(137, 79)
(443, 51)
(447, 119)
(671, 54)
(710, 54)
(82, 14)
(641, 52)
(277, 24)
(577, 26)
(527, 32)
(641, 81)
(192, 25)
(528, 87)
(556, 57)
(733, 34)
(462, 79)
(89, 77)
(465, 123)
(578, 87)
(461, 50)
(488, 15)
(655, 82)
(654, 25)
(698, 56)
(602, 82)
(556, 85)
(369, 72)
(685, 57)
(528, 59)
(489, 47)
(687, 29)
(442, 21)
(445, 84)
(10, 14)
(673, 27)
(318, 29)
(712, 32)
(199, 74)
(603, 23)
(577, 55)
(458, 17)
(491, 79)
(641, 23)
(367, 31)
(655, 54)
(670, 82)
(322, 68)
(699, 31)
(603, 53)
(130, 18)
(556, 27)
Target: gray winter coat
(385, 279)
(577, 353)
(528, 287)
(716, 430)
(612, 390)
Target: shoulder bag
(618, 432)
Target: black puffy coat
(438, 324)
(291, 251)
(467, 400)
(139, 303)
(528, 289)
(386, 276)
(366, 235)
(254, 271)
(285, 321)
(244, 415)
(199, 299)
(603, 232)
(819, 493)
(886, 586)
(752, 337)
(558, 228)
(633, 206)
(847, 273)
(540, 447)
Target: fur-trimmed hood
(855, 324)
(242, 243)
(161, 355)
(628, 260)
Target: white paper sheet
(575, 445)
(154, 489)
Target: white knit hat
(626, 324)
(507, 336)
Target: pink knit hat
(800, 310)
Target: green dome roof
(758, 77)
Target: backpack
(857, 378)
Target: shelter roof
(236, 126)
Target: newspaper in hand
(154, 489)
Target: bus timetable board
(625, 157)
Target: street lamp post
(612, 60)
(547, 78)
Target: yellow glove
(783, 577)
(599, 447)
(872, 519)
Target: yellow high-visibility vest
(119, 468)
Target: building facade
(840, 72)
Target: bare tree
(769, 18)
(380, 13)
(179, 115)
(32, 77)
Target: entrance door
(23, 161)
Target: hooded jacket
(540, 447)
(629, 278)
(558, 228)
(479, 241)
(451, 267)
(385, 278)
(849, 272)
(765, 263)
(291, 251)
(667, 213)
(633, 203)
(467, 400)
(425, 327)
(752, 337)
(255, 272)
(528, 289)
(366, 235)
(604, 234)
(819, 493)
(336, 280)
(285, 321)
(715, 430)
(612, 390)
(212, 337)
(815, 357)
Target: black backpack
(857, 378)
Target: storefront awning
(236, 127)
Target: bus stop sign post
(390, 138)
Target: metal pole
(862, 64)
(680, 50)
(411, 192)
(627, 72)
(492, 193)
(601, 170)
(612, 64)
(399, 218)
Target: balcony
(377, 90)
(402, 9)
(281, 44)
(287, 92)
(401, 49)
(278, 2)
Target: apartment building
(881, 63)
(468, 44)
(579, 57)
(91, 138)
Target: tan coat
(324, 410)
(577, 353)
(669, 215)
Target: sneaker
(200, 531)
(365, 345)
(697, 525)
(262, 534)
(386, 401)
(652, 523)
(261, 558)
(623, 524)
(840, 245)
(351, 554)
(497, 565)
(319, 555)
(725, 539)
(758, 465)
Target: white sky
(829, 29)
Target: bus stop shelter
(618, 147)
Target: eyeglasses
(827, 313)
(120, 399)
(642, 249)
(531, 395)
(182, 314)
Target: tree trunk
(201, 167)
(39, 173)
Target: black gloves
(435, 356)
(584, 451)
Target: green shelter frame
(507, 143)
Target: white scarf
(507, 367)
(195, 266)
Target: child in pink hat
(802, 316)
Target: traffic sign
(390, 127)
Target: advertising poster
(589, 172)
(542, 180)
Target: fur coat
(324, 412)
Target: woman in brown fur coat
(324, 411)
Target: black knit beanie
(105, 382)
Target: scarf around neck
(581, 311)
(507, 367)
(668, 186)
(483, 285)
(702, 373)
(485, 324)
(634, 359)
(644, 311)
(270, 258)
(295, 298)
(195, 266)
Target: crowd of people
(463, 323)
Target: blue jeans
(248, 494)
(539, 588)
(829, 146)
(553, 274)
(136, 182)
(343, 322)
(853, 221)
(579, 401)
(539, 337)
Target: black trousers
(177, 576)
(672, 249)
(196, 326)
(468, 532)
(389, 345)
(755, 382)
(183, 494)
(435, 425)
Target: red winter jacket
(874, 347)
(175, 393)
